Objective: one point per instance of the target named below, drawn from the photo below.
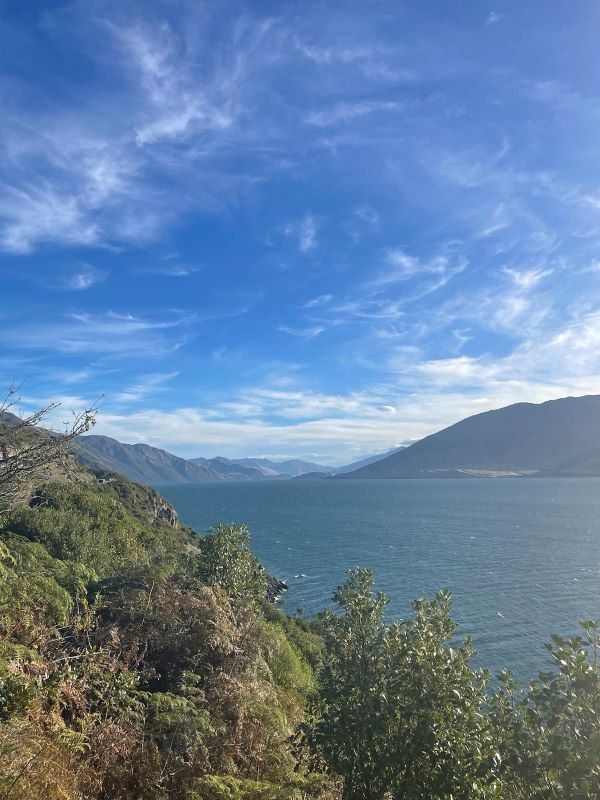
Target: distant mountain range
(269, 469)
(146, 464)
(559, 437)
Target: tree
(26, 449)
(225, 560)
(351, 728)
(399, 710)
(549, 735)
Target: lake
(521, 556)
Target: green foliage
(301, 632)
(287, 667)
(399, 710)
(550, 734)
(37, 591)
(79, 523)
(177, 732)
(216, 787)
(15, 694)
(133, 667)
(227, 561)
(142, 502)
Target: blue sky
(298, 229)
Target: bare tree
(26, 449)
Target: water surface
(521, 556)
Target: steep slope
(559, 437)
(145, 464)
(141, 501)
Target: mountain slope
(364, 462)
(559, 437)
(145, 464)
(291, 468)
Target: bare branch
(26, 449)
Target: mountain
(558, 437)
(364, 462)
(291, 468)
(10, 419)
(145, 464)
(319, 474)
(140, 462)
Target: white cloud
(309, 332)
(120, 166)
(81, 279)
(368, 308)
(375, 63)
(460, 370)
(170, 269)
(321, 300)
(41, 214)
(111, 333)
(178, 105)
(333, 54)
(304, 231)
(363, 221)
(401, 267)
(527, 278)
(347, 111)
(146, 386)
(493, 18)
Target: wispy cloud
(400, 267)
(177, 105)
(304, 231)
(89, 174)
(170, 269)
(321, 300)
(309, 332)
(363, 219)
(526, 279)
(41, 214)
(146, 386)
(82, 278)
(343, 112)
(439, 239)
(333, 54)
(112, 333)
(374, 62)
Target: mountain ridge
(146, 464)
(292, 467)
(558, 437)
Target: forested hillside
(142, 661)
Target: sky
(302, 229)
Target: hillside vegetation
(141, 661)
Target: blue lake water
(521, 556)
